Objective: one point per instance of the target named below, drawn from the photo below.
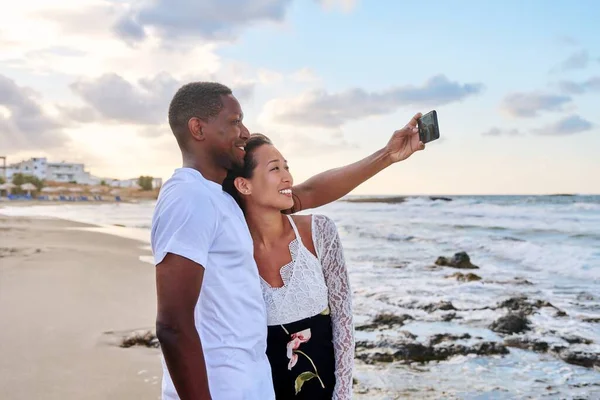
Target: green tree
(145, 182)
(2, 181)
(103, 183)
(19, 179)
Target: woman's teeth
(286, 191)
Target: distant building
(66, 172)
(35, 166)
(132, 183)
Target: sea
(545, 248)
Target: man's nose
(244, 132)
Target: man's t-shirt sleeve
(184, 225)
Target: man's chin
(237, 164)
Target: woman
(310, 342)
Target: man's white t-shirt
(194, 218)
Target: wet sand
(61, 290)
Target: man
(211, 320)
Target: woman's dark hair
(256, 140)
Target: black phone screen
(428, 127)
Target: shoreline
(63, 287)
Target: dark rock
(443, 337)
(408, 335)
(591, 320)
(417, 352)
(515, 281)
(510, 323)
(442, 305)
(581, 358)
(560, 313)
(385, 321)
(434, 198)
(465, 277)
(449, 317)
(527, 344)
(524, 305)
(572, 339)
(459, 260)
(583, 296)
(364, 344)
(144, 338)
(387, 200)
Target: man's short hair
(196, 99)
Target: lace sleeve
(330, 253)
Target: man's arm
(333, 184)
(178, 285)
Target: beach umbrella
(8, 186)
(49, 189)
(28, 187)
(75, 190)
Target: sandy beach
(62, 291)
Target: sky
(516, 85)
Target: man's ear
(196, 127)
(243, 186)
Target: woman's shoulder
(308, 220)
(316, 226)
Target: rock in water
(434, 198)
(584, 359)
(460, 260)
(527, 344)
(510, 323)
(442, 305)
(524, 305)
(465, 277)
(384, 320)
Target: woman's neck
(266, 226)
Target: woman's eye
(274, 168)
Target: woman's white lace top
(311, 284)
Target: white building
(35, 166)
(67, 172)
(58, 172)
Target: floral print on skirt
(302, 358)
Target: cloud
(208, 19)
(322, 109)
(590, 85)
(567, 40)
(578, 60)
(528, 105)
(115, 99)
(345, 5)
(502, 132)
(24, 124)
(566, 126)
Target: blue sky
(516, 85)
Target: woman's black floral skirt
(302, 358)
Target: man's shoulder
(183, 196)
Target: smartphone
(429, 129)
